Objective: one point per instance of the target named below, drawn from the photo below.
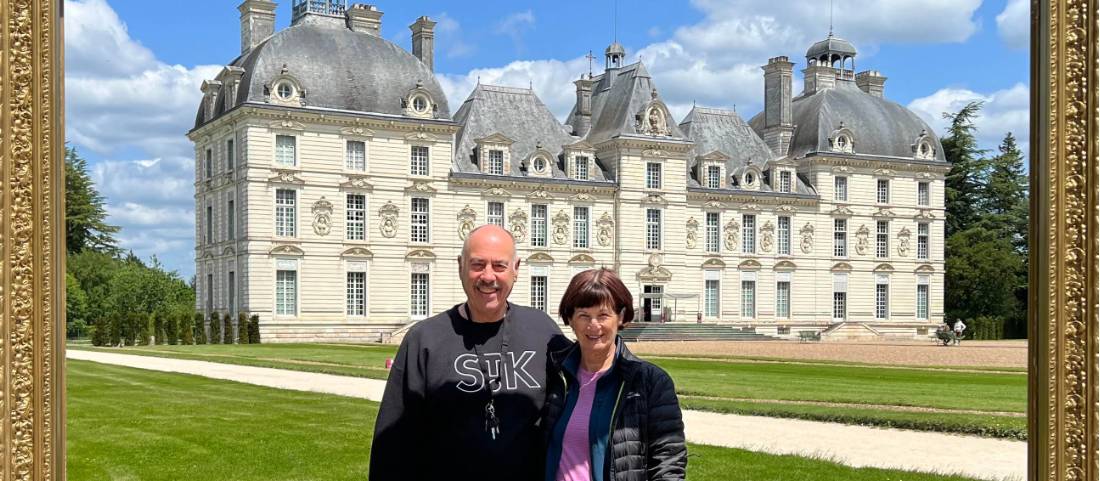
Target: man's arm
(400, 419)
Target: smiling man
(466, 389)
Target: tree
(1004, 197)
(982, 276)
(76, 308)
(86, 224)
(963, 183)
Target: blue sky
(132, 79)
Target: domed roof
(877, 126)
(833, 45)
(338, 68)
(615, 48)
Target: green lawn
(741, 387)
(130, 424)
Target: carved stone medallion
(466, 219)
(692, 233)
(903, 241)
(863, 242)
(518, 223)
(388, 214)
(322, 217)
(604, 228)
(733, 231)
(767, 236)
(561, 227)
(807, 233)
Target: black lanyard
(492, 422)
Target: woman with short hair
(609, 416)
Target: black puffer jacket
(647, 443)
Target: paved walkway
(858, 446)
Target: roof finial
(831, 18)
(479, 80)
(615, 21)
(590, 58)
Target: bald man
(465, 391)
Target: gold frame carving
(1064, 311)
(32, 241)
(1064, 285)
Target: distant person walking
(959, 328)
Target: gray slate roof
(879, 126)
(726, 132)
(339, 69)
(617, 97)
(515, 113)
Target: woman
(609, 416)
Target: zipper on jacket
(611, 432)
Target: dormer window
(842, 140)
(714, 177)
(540, 165)
(923, 149)
(496, 162)
(285, 90)
(750, 179)
(581, 170)
(418, 103)
(785, 181)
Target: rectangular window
(286, 293)
(653, 175)
(356, 217)
(357, 293)
(495, 162)
(748, 299)
(924, 197)
(418, 162)
(285, 213)
(783, 300)
(538, 225)
(714, 177)
(208, 164)
(785, 181)
(882, 300)
(580, 227)
(922, 301)
(496, 213)
(882, 239)
(418, 223)
(655, 301)
(748, 234)
(230, 220)
(840, 189)
(582, 168)
(539, 297)
(285, 150)
(840, 237)
(712, 241)
(840, 306)
(710, 294)
(883, 196)
(231, 291)
(653, 229)
(230, 155)
(209, 293)
(922, 241)
(784, 241)
(209, 224)
(418, 301)
(356, 158)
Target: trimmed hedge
(200, 328)
(227, 328)
(144, 329)
(186, 329)
(160, 334)
(242, 328)
(254, 329)
(215, 329)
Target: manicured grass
(976, 424)
(132, 424)
(749, 387)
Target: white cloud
(451, 37)
(1014, 24)
(121, 101)
(1003, 111)
(552, 81)
(515, 25)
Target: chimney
(423, 38)
(817, 78)
(257, 22)
(778, 128)
(365, 18)
(872, 82)
(582, 123)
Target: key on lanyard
(492, 424)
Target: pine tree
(1005, 194)
(963, 183)
(86, 224)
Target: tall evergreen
(963, 183)
(1005, 194)
(86, 224)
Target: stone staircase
(639, 331)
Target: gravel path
(996, 354)
(858, 446)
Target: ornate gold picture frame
(1064, 377)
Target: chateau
(334, 186)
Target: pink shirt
(576, 451)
